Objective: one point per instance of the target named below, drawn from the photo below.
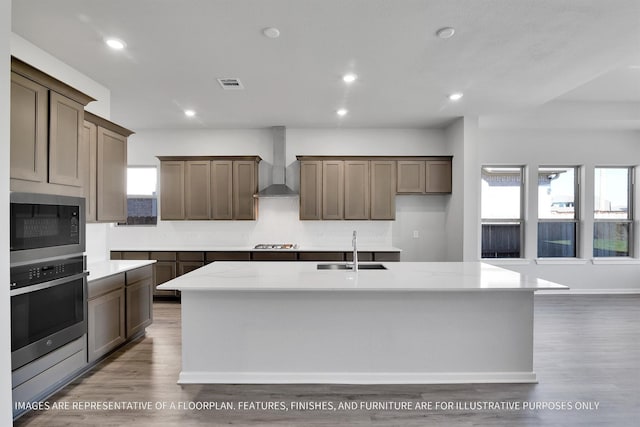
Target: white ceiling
(506, 56)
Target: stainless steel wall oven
(48, 274)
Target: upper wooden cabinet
(332, 189)
(426, 176)
(245, 185)
(197, 186)
(29, 107)
(356, 189)
(209, 187)
(411, 176)
(311, 189)
(221, 189)
(66, 119)
(438, 176)
(363, 188)
(172, 189)
(383, 189)
(46, 133)
(104, 169)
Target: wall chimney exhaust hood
(279, 187)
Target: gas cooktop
(276, 246)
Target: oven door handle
(49, 284)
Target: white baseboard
(355, 378)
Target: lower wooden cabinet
(119, 307)
(139, 294)
(165, 269)
(186, 266)
(106, 323)
(106, 315)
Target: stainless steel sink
(349, 267)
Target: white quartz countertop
(399, 276)
(251, 248)
(99, 270)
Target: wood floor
(587, 349)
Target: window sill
(561, 261)
(614, 261)
(506, 261)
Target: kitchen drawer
(228, 256)
(362, 256)
(135, 255)
(274, 256)
(321, 256)
(163, 256)
(139, 274)
(104, 285)
(386, 256)
(191, 256)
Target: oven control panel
(31, 274)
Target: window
(142, 203)
(613, 216)
(502, 211)
(557, 211)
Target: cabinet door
(28, 129)
(89, 169)
(139, 306)
(197, 189)
(172, 190)
(438, 176)
(356, 189)
(66, 120)
(163, 272)
(112, 176)
(411, 176)
(186, 266)
(383, 189)
(274, 256)
(222, 189)
(106, 323)
(244, 187)
(332, 189)
(310, 190)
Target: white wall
(97, 235)
(278, 219)
(584, 148)
(5, 318)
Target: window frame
(154, 195)
(497, 221)
(577, 212)
(630, 220)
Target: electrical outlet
(416, 234)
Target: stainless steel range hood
(279, 187)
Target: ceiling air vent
(230, 84)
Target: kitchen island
(289, 322)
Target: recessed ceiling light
(342, 112)
(456, 96)
(271, 32)
(349, 78)
(115, 44)
(189, 113)
(446, 32)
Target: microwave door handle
(50, 284)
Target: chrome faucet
(354, 243)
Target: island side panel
(357, 337)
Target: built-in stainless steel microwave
(45, 226)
